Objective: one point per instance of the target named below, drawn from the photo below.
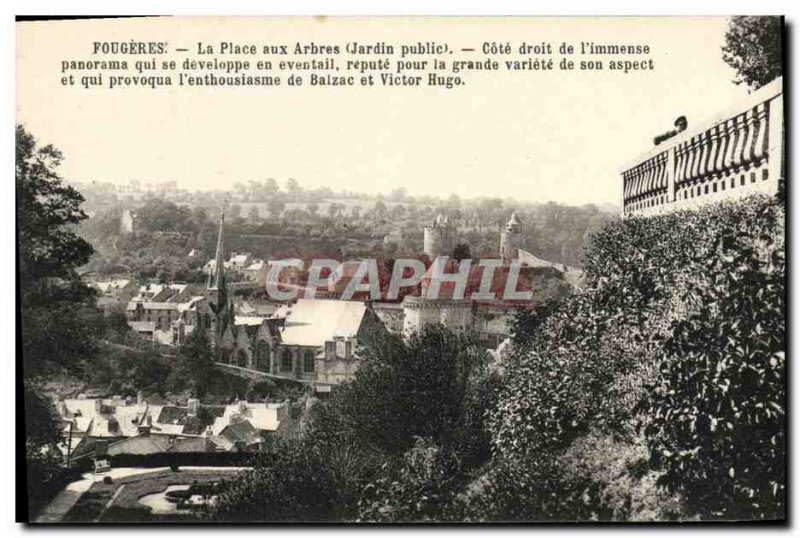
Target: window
(764, 174)
(714, 187)
(225, 356)
(308, 362)
(733, 182)
(752, 177)
(741, 180)
(705, 190)
(241, 359)
(286, 361)
(263, 356)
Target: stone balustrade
(736, 153)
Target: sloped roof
(256, 266)
(241, 431)
(172, 414)
(195, 444)
(572, 275)
(140, 444)
(260, 415)
(312, 322)
(90, 422)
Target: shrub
(680, 329)
(414, 489)
(717, 412)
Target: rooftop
(312, 322)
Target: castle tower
(217, 292)
(420, 312)
(439, 238)
(510, 239)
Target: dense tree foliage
(679, 331)
(59, 322)
(411, 419)
(717, 416)
(195, 370)
(754, 48)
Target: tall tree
(46, 211)
(59, 320)
(754, 48)
(195, 370)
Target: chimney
(242, 406)
(340, 346)
(146, 425)
(98, 406)
(330, 350)
(139, 397)
(193, 407)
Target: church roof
(312, 322)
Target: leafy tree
(416, 488)
(754, 48)
(159, 215)
(195, 369)
(368, 435)
(59, 321)
(406, 389)
(275, 207)
(270, 187)
(46, 209)
(293, 188)
(253, 215)
(461, 252)
(680, 330)
(718, 412)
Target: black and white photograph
(400, 270)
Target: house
(125, 426)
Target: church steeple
(218, 316)
(216, 277)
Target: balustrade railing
(734, 154)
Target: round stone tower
(420, 312)
(510, 239)
(439, 238)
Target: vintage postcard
(401, 269)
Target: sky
(534, 136)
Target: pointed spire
(216, 277)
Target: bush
(717, 412)
(414, 489)
(680, 329)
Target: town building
(150, 425)
(312, 341)
(738, 152)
